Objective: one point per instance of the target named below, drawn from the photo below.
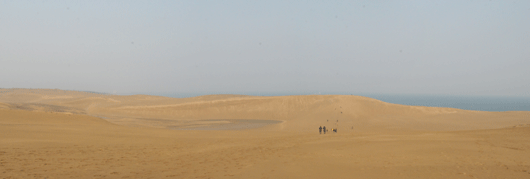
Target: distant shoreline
(469, 102)
(477, 103)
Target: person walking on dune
(320, 130)
(324, 128)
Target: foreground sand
(46, 134)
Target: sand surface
(70, 134)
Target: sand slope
(52, 145)
(54, 134)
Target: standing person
(324, 129)
(320, 130)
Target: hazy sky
(383, 47)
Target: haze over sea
(479, 103)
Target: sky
(242, 47)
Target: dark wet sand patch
(225, 124)
(199, 124)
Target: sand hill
(299, 113)
(71, 134)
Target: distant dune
(298, 113)
(49, 133)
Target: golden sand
(70, 134)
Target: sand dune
(301, 113)
(70, 134)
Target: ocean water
(479, 103)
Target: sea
(478, 103)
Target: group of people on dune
(320, 129)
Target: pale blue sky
(211, 47)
